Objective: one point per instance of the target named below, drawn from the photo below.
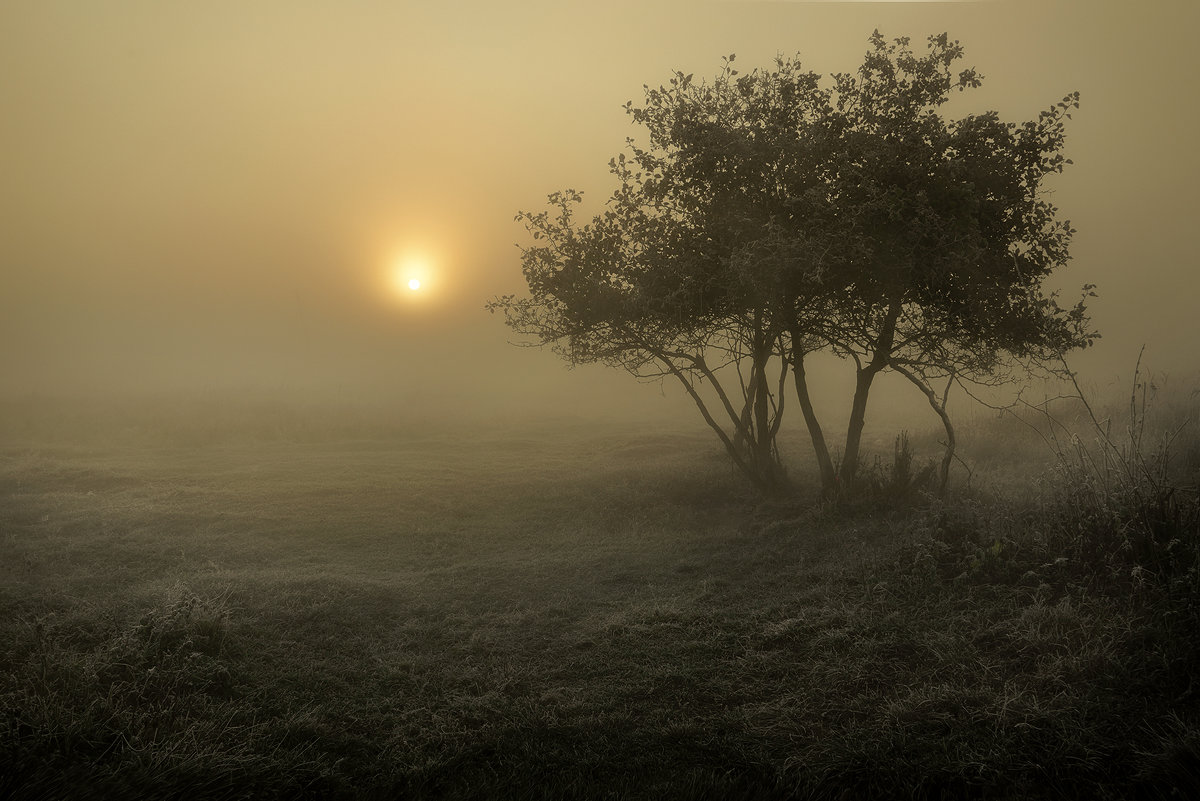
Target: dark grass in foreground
(573, 613)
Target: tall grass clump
(1084, 588)
(1125, 507)
(1120, 498)
(1122, 510)
(900, 485)
(100, 703)
(1118, 507)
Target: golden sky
(216, 195)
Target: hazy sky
(211, 196)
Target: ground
(277, 607)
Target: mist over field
(329, 468)
(215, 201)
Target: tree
(770, 216)
(650, 305)
(947, 233)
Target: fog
(212, 200)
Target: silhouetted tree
(945, 234)
(769, 216)
(652, 305)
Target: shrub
(902, 483)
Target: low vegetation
(574, 612)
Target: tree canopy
(775, 214)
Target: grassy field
(270, 605)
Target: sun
(412, 275)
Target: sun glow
(412, 275)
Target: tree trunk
(862, 389)
(762, 440)
(820, 448)
(757, 459)
(940, 408)
(742, 436)
(858, 419)
(735, 453)
(762, 414)
(948, 456)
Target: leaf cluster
(778, 192)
